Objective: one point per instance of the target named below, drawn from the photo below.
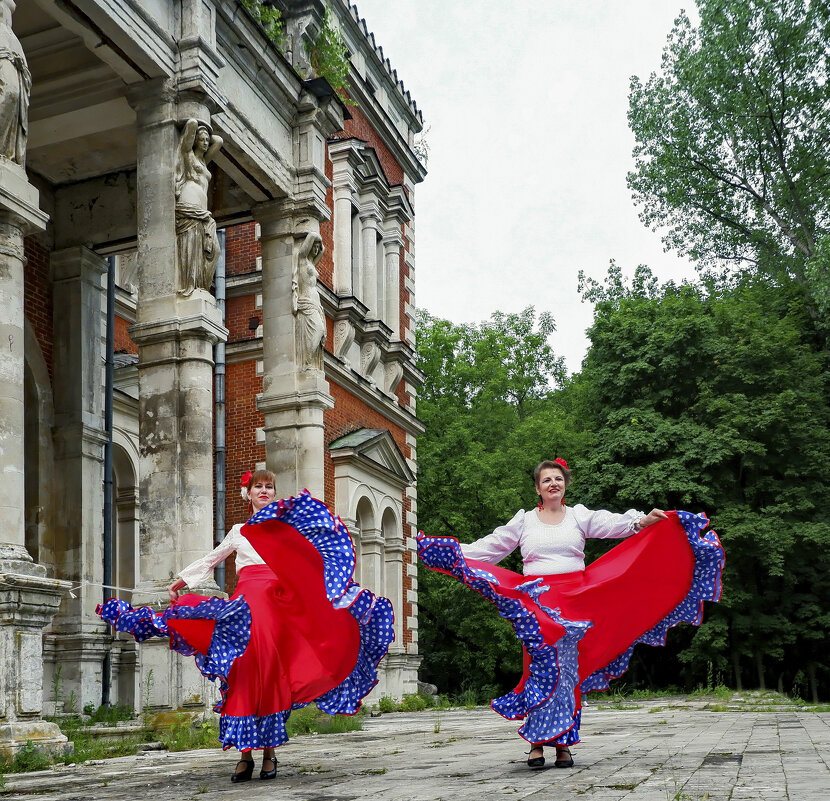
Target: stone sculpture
(197, 246)
(310, 321)
(15, 85)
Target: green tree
(712, 398)
(490, 417)
(733, 140)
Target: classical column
(392, 244)
(345, 155)
(369, 223)
(28, 600)
(293, 397)
(372, 564)
(175, 334)
(78, 277)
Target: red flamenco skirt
(297, 629)
(578, 630)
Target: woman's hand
(173, 590)
(652, 517)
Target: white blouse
(552, 548)
(196, 572)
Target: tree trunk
(781, 683)
(811, 675)
(759, 664)
(736, 669)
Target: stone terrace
(669, 749)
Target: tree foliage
(732, 139)
(713, 399)
(485, 404)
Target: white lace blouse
(196, 572)
(547, 548)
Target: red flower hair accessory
(561, 461)
(245, 479)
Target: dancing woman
(296, 630)
(577, 625)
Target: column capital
(286, 217)
(154, 101)
(19, 200)
(76, 262)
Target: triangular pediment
(375, 448)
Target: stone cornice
(369, 394)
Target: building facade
(257, 232)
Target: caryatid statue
(197, 246)
(310, 320)
(15, 86)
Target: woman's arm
(602, 524)
(196, 572)
(494, 547)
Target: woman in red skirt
(578, 626)
(297, 629)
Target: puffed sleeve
(196, 572)
(603, 524)
(494, 547)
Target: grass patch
(310, 720)
(720, 691)
(417, 702)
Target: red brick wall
(37, 296)
(358, 126)
(122, 341)
(241, 249)
(242, 418)
(239, 314)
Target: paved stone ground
(656, 750)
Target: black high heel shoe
(243, 775)
(268, 774)
(536, 762)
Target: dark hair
(551, 465)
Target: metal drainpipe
(108, 390)
(219, 413)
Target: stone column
(343, 240)
(392, 244)
(175, 336)
(394, 566)
(345, 156)
(78, 277)
(28, 600)
(293, 401)
(369, 223)
(372, 567)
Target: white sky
(529, 149)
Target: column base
(46, 737)
(15, 559)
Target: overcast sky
(529, 148)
